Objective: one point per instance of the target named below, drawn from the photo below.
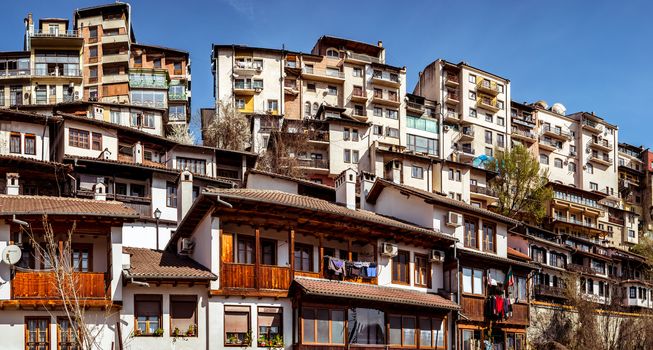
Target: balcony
(615, 220)
(603, 145)
(452, 117)
(15, 74)
(603, 160)
(556, 133)
(116, 58)
(465, 154)
(313, 163)
(358, 96)
(523, 135)
(452, 98)
(524, 120)
(482, 191)
(387, 100)
(115, 78)
(542, 290)
(247, 89)
(68, 73)
(467, 134)
(415, 107)
(113, 23)
(488, 87)
(592, 126)
(42, 285)
(548, 145)
(177, 96)
(70, 38)
(318, 136)
(115, 39)
(386, 79)
(452, 80)
(148, 81)
(487, 104)
(580, 269)
(247, 68)
(474, 306)
(325, 75)
(357, 57)
(245, 276)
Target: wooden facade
(42, 285)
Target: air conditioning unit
(187, 246)
(389, 249)
(436, 256)
(454, 219)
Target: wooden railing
(473, 307)
(274, 277)
(237, 275)
(42, 285)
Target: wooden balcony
(41, 285)
(473, 307)
(549, 291)
(580, 268)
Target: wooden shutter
(227, 247)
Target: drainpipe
(455, 256)
(45, 126)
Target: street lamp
(157, 216)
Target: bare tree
(57, 252)
(181, 133)
(287, 149)
(228, 130)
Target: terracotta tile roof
(319, 205)
(351, 290)
(517, 254)
(37, 205)
(157, 264)
(472, 252)
(380, 184)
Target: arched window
(572, 167)
(332, 53)
(307, 109)
(590, 168)
(315, 108)
(557, 163)
(544, 159)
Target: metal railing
(68, 72)
(362, 57)
(602, 143)
(516, 131)
(313, 163)
(482, 190)
(57, 34)
(386, 76)
(415, 105)
(324, 72)
(556, 131)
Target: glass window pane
(323, 326)
(478, 282)
(308, 325)
(337, 327)
(467, 280)
(409, 330)
(425, 332)
(395, 330)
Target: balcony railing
(482, 190)
(615, 220)
(524, 133)
(177, 96)
(390, 77)
(362, 57)
(42, 285)
(575, 221)
(68, 72)
(602, 143)
(145, 81)
(556, 131)
(313, 163)
(57, 34)
(321, 136)
(324, 72)
(549, 291)
(245, 276)
(415, 106)
(580, 268)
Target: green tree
(520, 184)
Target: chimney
(138, 153)
(379, 43)
(100, 192)
(346, 188)
(13, 186)
(367, 181)
(393, 171)
(184, 194)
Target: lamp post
(157, 216)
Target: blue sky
(588, 55)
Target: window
(522, 289)
(421, 144)
(148, 120)
(544, 159)
(366, 326)
(273, 105)
(245, 250)
(472, 78)
(500, 104)
(310, 87)
(92, 52)
(489, 152)
(96, 144)
(357, 72)
(66, 337)
(378, 111)
(472, 95)
(14, 143)
(41, 94)
(346, 155)
(236, 324)
(177, 68)
(377, 129)
(354, 157)
(346, 134)
(197, 166)
(303, 257)
(590, 168)
(81, 256)
(594, 186)
(392, 132)
(557, 163)
(488, 136)
(78, 138)
(359, 110)
(421, 124)
(30, 144)
(489, 238)
(400, 266)
(432, 333)
(332, 53)
(422, 271)
(92, 32)
(471, 235)
(268, 252)
(501, 140)
(489, 117)
(417, 172)
(402, 330)
(501, 121)
(157, 63)
(270, 325)
(37, 333)
(472, 281)
(572, 167)
(392, 114)
(147, 313)
(472, 112)
(324, 326)
(354, 134)
(171, 195)
(632, 293)
(183, 315)
(332, 90)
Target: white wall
(5, 270)
(109, 140)
(42, 149)
(142, 234)
(264, 182)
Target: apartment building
(524, 123)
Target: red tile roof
(38, 205)
(157, 264)
(517, 254)
(351, 290)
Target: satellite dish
(11, 254)
(542, 104)
(559, 108)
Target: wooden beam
(291, 252)
(321, 249)
(257, 256)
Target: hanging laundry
(369, 271)
(337, 266)
(353, 270)
(499, 306)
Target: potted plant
(277, 342)
(176, 332)
(191, 331)
(158, 332)
(247, 340)
(262, 340)
(138, 332)
(232, 339)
